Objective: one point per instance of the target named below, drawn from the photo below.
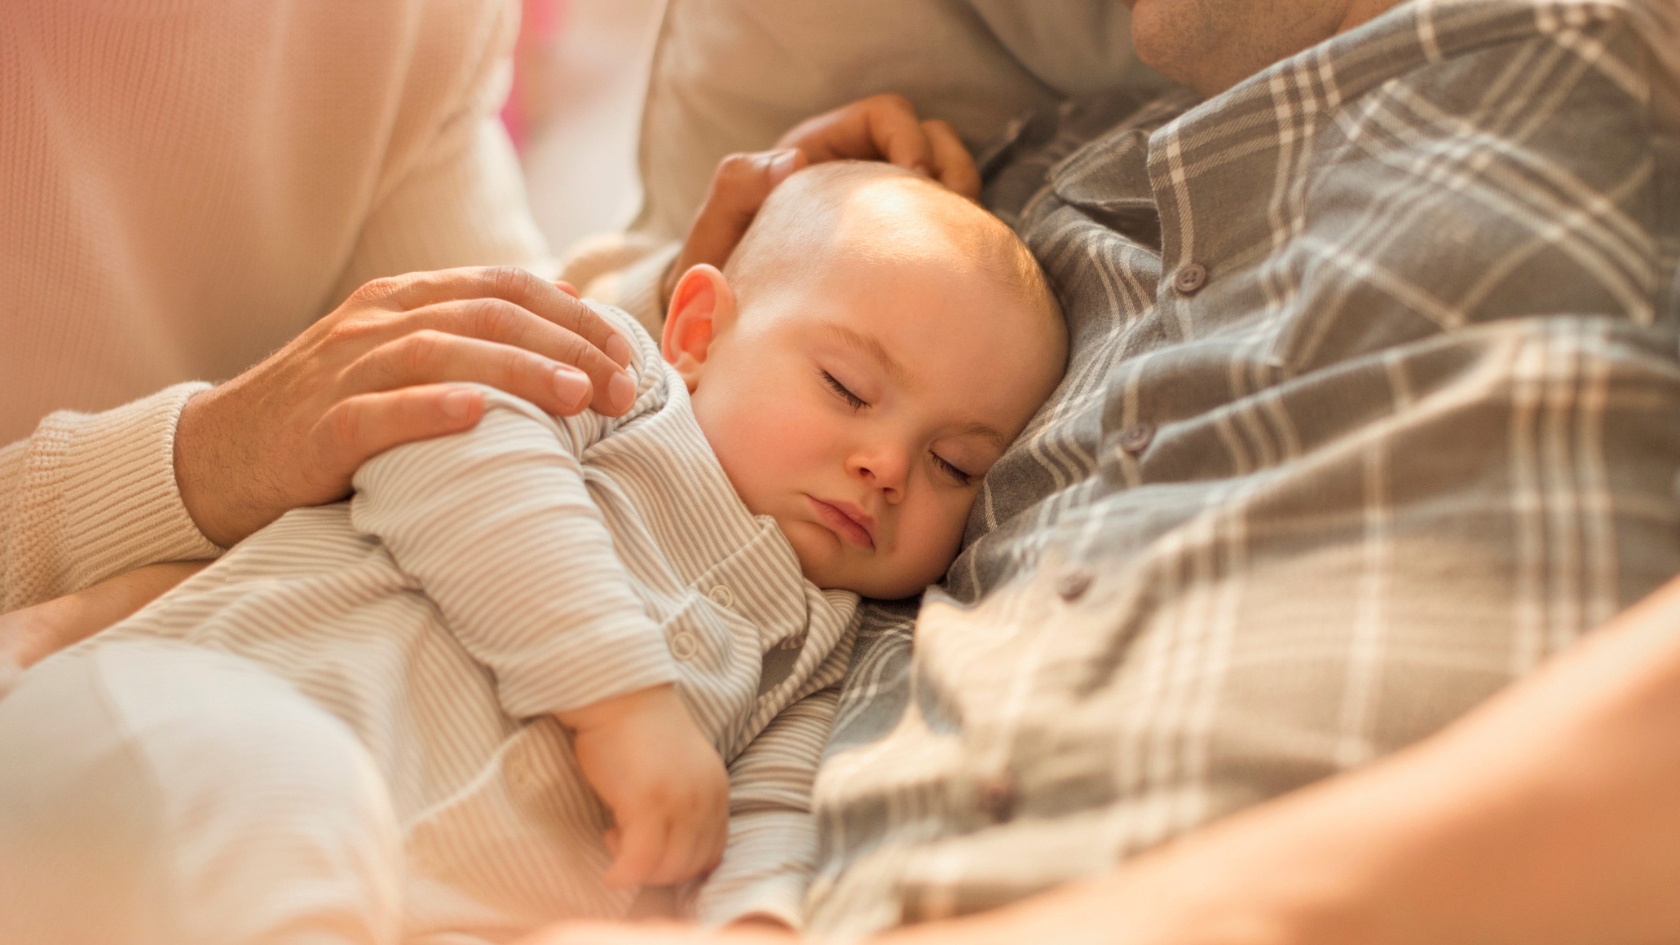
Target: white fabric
(478, 583)
(185, 185)
(119, 829)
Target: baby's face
(861, 408)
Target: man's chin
(1163, 41)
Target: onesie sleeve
(498, 528)
(88, 496)
(772, 850)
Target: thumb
(739, 188)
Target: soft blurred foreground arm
(1546, 817)
(34, 633)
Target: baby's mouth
(847, 520)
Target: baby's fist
(662, 780)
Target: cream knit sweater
(186, 184)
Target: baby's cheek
(749, 437)
(937, 536)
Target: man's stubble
(1211, 45)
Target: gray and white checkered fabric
(1373, 407)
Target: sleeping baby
(570, 657)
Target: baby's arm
(498, 528)
(663, 781)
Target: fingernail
(458, 403)
(621, 391)
(782, 164)
(920, 167)
(618, 349)
(572, 387)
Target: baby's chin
(889, 581)
(825, 563)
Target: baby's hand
(662, 780)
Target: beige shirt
(478, 583)
(187, 185)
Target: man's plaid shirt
(1374, 405)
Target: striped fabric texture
(478, 583)
(1372, 407)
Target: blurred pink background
(579, 71)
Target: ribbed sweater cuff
(109, 479)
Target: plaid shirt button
(997, 797)
(1137, 437)
(1073, 584)
(1190, 279)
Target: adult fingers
(641, 846)
(881, 127)
(510, 284)
(507, 323)
(739, 188)
(431, 356)
(953, 166)
(358, 428)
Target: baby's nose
(884, 469)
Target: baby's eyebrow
(870, 347)
(984, 432)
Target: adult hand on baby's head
(739, 187)
(878, 128)
(662, 780)
(887, 128)
(385, 368)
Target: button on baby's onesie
(722, 596)
(521, 778)
(683, 645)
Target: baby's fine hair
(797, 225)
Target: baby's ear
(701, 305)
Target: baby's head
(865, 357)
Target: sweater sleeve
(87, 496)
(459, 199)
(498, 527)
